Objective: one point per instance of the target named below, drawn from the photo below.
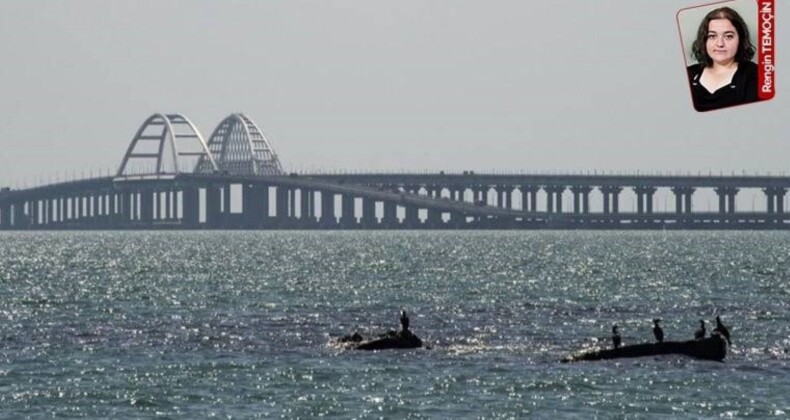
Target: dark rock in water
(390, 340)
(711, 348)
(351, 338)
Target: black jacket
(741, 90)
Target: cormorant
(616, 340)
(657, 331)
(700, 333)
(404, 321)
(721, 329)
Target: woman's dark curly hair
(745, 48)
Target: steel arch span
(165, 143)
(240, 148)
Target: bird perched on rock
(616, 340)
(657, 331)
(404, 321)
(700, 333)
(721, 329)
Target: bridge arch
(165, 143)
(240, 147)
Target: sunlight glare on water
(241, 324)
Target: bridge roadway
(195, 201)
(561, 180)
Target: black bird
(721, 329)
(700, 333)
(657, 331)
(404, 321)
(616, 340)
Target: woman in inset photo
(724, 74)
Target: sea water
(241, 324)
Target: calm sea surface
(240, 324)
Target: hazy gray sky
(376, 85)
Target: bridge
(172, 178)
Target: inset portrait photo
(728, 49)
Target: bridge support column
(581, 199)
(482, 194)
(529, 198)
(611, 198)
(457, 220)
(281, 205)
(390, 219)
(147, 207)
(59, 209)
(32, 213)
(292, 208)
(225, 205)
(191, 207)
(213, 206)
(505, 195)
(434, 219)
(368, 212)
(126, 211)
(174, 214)
(683, 199)
(549, 199)
(554, 199)
(304, 205)
(457, 194)
(644, 199)
(19, 217)
(170, 204)
(157, 201)
(5, 215)
(251, 206)
(775, 199)
(412, 219)
(347, 219)
(726, 199)
(311, 205)
(328, 209)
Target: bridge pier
(504, 194)
(644, 199)
(21, 220)
(347, 219)
(368, 213)
(190, 217)
(305, 202)
(281, 206)
(554, 199)
(434, 219)
(412, 220)
(328, 219)
(683, 199)
(726, 199)
(311, 206)
(529, 198)
(128, 207)
(775, 197)
(146, 207)
(581, 199)
(611, 199)
(213, 206)
(251, 210)
(390, 219)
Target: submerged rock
(711, 348)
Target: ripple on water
(180, 324)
